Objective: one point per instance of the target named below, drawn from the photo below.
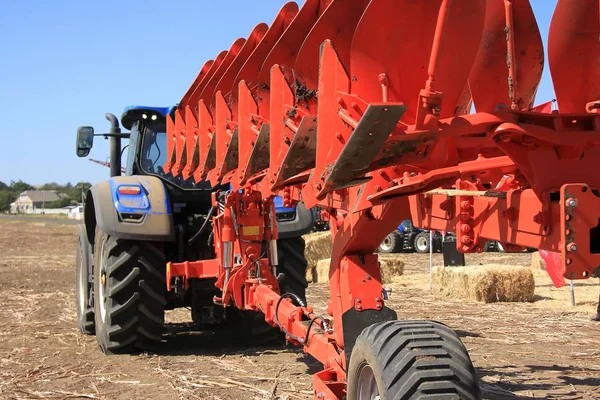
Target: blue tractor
(408, 238)
(135, 224)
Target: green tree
(3, 186)
(52, 186)
(65, 201)
(6, 197)
(20, 186)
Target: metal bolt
(359, 307)
(358, 301)
(572, 203)
(321, 396)
(377, 299)
(572, 247)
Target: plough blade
(385, 44)
(193, 144)
(509, 65)
(337, 24)
(259, 157)
(574, 54)
(172, 136)
(207, 142)
(191, 100)
(181, 143)
(293, 147)
(376, 125)
(301, 154)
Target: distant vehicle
(408, 238)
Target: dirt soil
(545, 349)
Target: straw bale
(390, 268)
(487, 283)
(318, 247)
(537, 262)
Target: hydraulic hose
(193, 239)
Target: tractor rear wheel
(251, 326)
(83, 286)
(129, 289)
(408, 360)
(392, 243)
(422, 243)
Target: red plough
(363, 108)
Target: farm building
(31, 200)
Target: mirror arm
(117, 135)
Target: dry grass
(544, 349)
(488, 284)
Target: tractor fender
(301, 224)
(145, 216)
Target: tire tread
(417, 360)
(136, 296)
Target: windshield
(153, 154)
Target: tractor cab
(148, 140)
(147, 148)
(147, 153)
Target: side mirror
(85, 140)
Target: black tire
(251, 326)
(393, 243)
(129, 280)
(422, 243)
(400, 360)
(500, 248)
(490, 246)
(437, 242)
(83, 286)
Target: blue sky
(65, 63)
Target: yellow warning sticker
(251, 230)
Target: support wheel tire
(129, 287)
(392, 243)
(251, 325)
(422, 243)
(83, 286)
(408, 360)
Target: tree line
(10, 192)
